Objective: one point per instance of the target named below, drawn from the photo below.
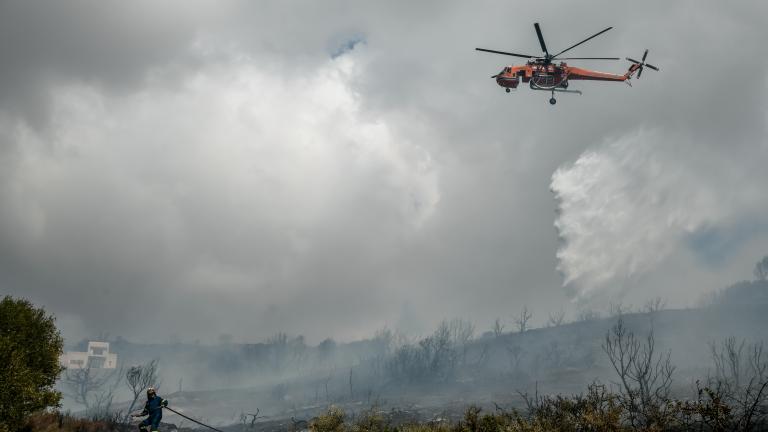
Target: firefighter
(153, 409)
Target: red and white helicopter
(543, 74)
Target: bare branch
(498, 328)
(522, 320)
(556, 319)
(761, 269)
(645, 377)
(654, 305)
(138, 378)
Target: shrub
(597, 410)
(371, 420)
(331, 421)
(59, 422)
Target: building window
(96, 362)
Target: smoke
(637, 200)
(271, 187)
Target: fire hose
(188, 418)
(193, 420)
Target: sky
(191, 169)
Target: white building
(97, 357)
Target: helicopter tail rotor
(641, 64)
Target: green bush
(30, 346)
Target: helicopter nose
(507, 81)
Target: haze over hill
(448, 369)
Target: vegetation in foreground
(596, 410)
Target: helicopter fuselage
(544, 76)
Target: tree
(588, 315)
(93, 388)
(556, 319)
(516, 354)
(139, 378)
(326, 349)
(740, 379)
(498, 328)
(30, 346)
(761, 269)
(434, 357)
(618, 309)
(654, 305)
(278, 350)
(522, 320)
(298, 351)
(645, 377)
(439, 351)
(461, 333)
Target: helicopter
(542, 72)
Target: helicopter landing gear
(507, 89)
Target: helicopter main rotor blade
(586, 58)
(591, 37)
(652, 66)
(541, 39)
(505, 53)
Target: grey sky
(215, 167)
